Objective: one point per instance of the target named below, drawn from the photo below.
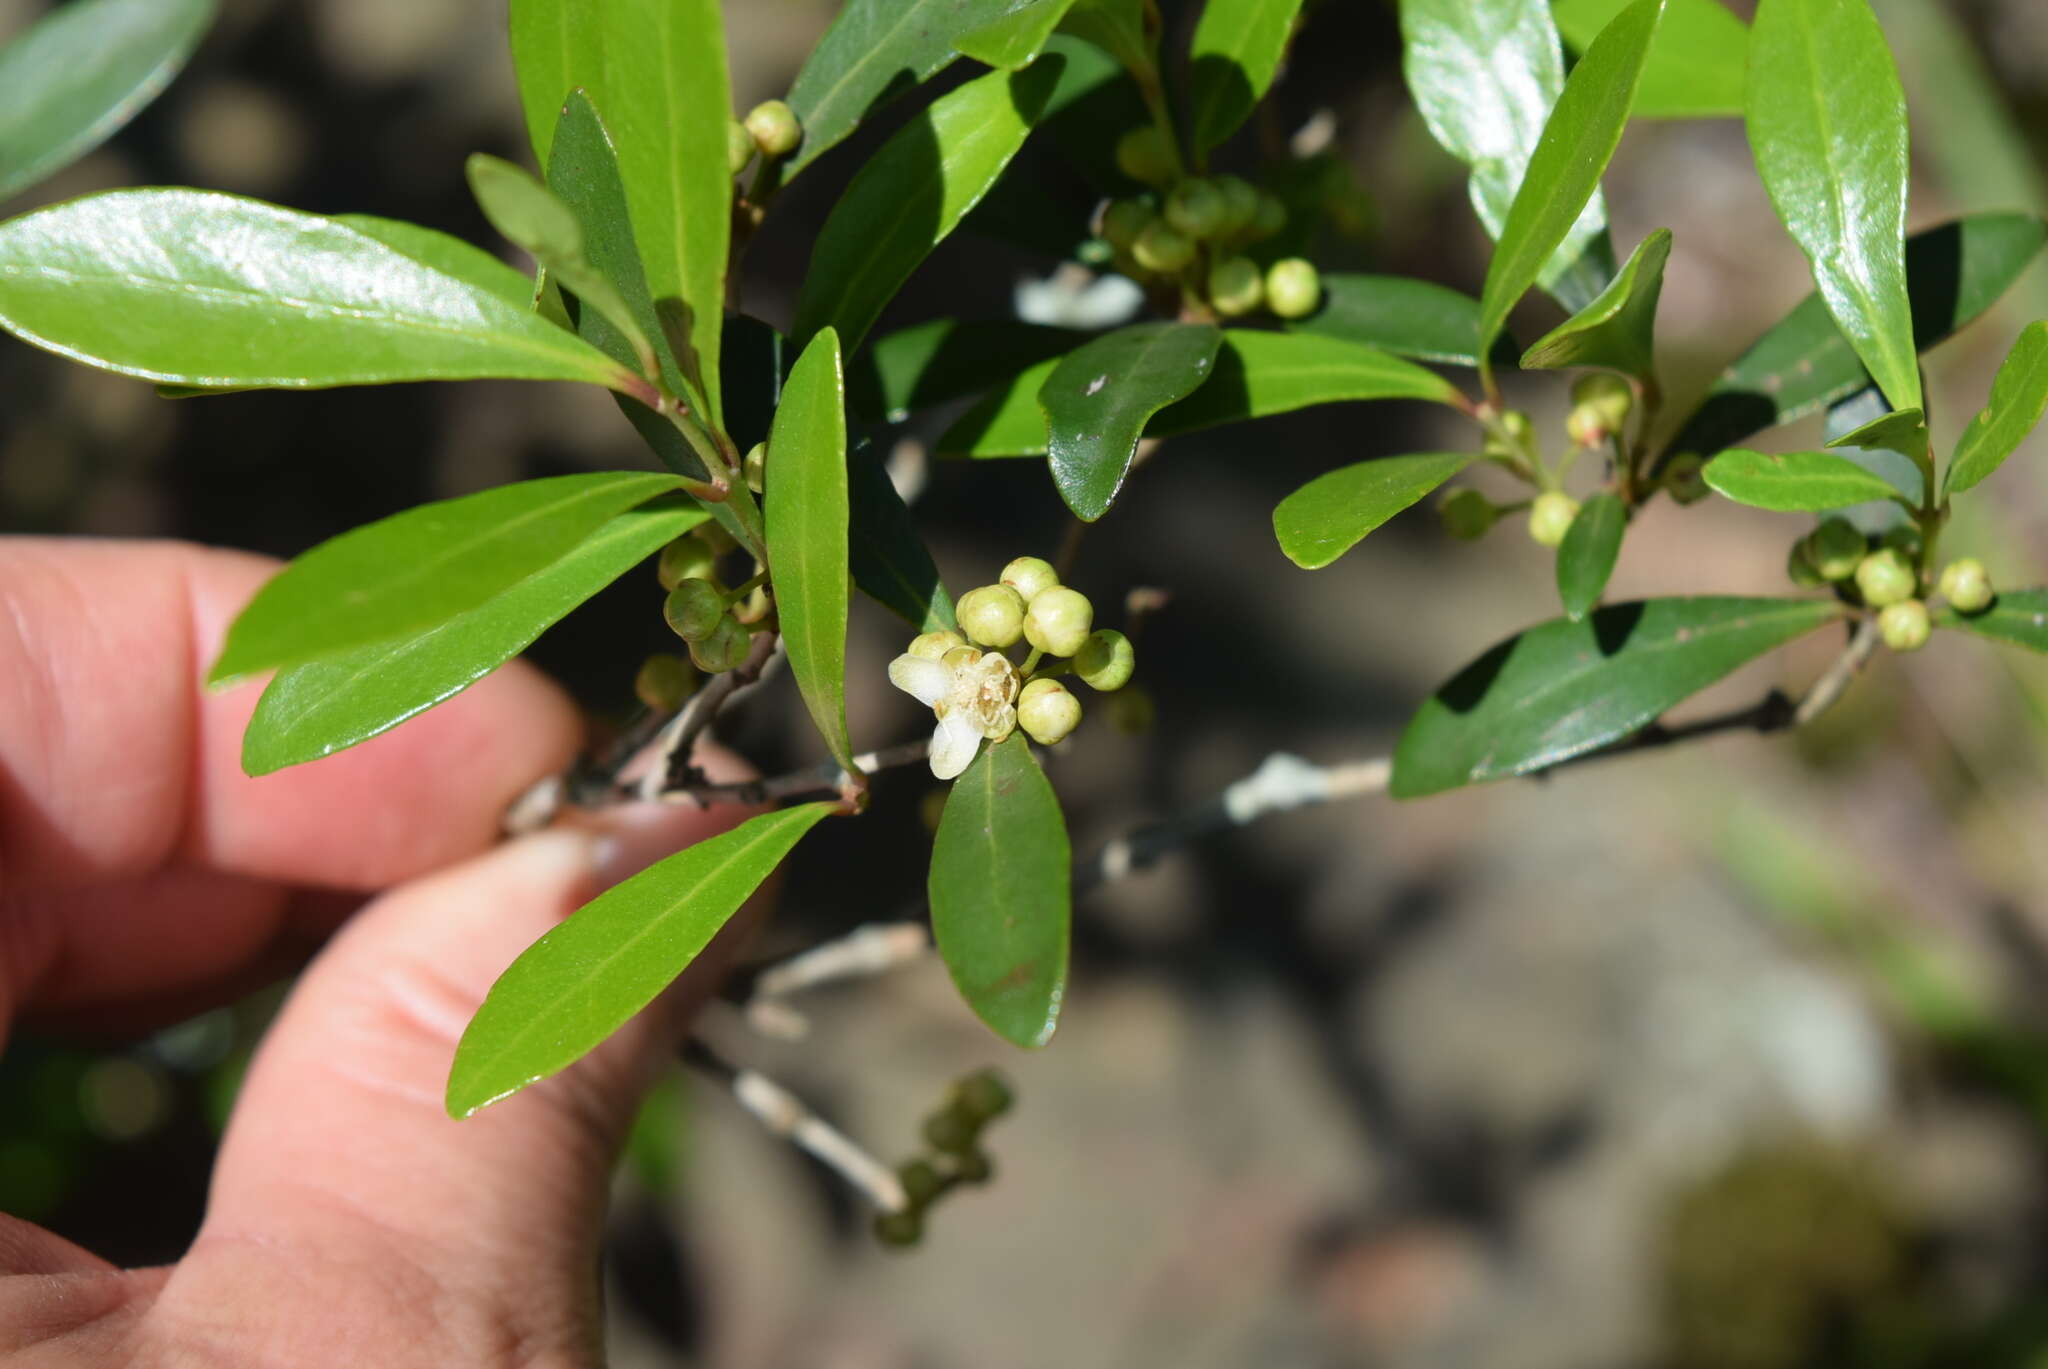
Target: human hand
(143, 877)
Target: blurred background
(1723, 1057)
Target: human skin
(350, 1221)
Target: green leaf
(582, 981)
(2018, 397)
(1563, 689)
(422, 567)
(890, 562)
(806, 509)
(1410, 318)
(327, 705)
(1565, 169)
(187, 287)
(1865, 414)
(911, 194)
(1697, 64)
(1827, 122)
(1485, 74)
(1326, 517)
(466, 262)
(1125, 29)
(81, 73)
(1014, 41)
(1794, 482)
(557, 45)
(1803, 363)
(1618, 330)
(931, 363)
(1100, 396)
(2017, 617)
(1587, 556)
(1001, 893)
(1900, 430)
(875, 51)
(1236, 50)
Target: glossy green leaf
(557, 45)
(806, 508)
(2018, 397)
(188, 287)
(1410, 318)
(1125, 29)
(1002, 893)
(1697, 64)
(1803, 364)
(422, 567)
(1563, 689)
(1587, 555)
(1100, 396)
(81, 73)
(1617, 330)
(1236, 50)
(2017, 617)
(911, 194)
(466, 262)
(586, 978)
(875, 51)
(1827, 122)
(945, 359)
(1862, 414)
(890, 562)
(327, 705)
(1565, 169)
(1326, 517)
(1014, 40)
(1794, 482)
(1485, 74)
(1902, 430)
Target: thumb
(340, 1150)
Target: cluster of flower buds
(977, 692)
(771, 128)
(1601, 404)
(1885, 574)
(956, 1156)
(700, 609)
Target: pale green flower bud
(1270, 218)
(694, 610)
(1885, 577)
(1235, 286)
(1293, 288)
(1836, 548)
(1468, 515)
(1143, 155)
(1608, 396)
(1124, 220)
(983, 1095)
(1163, 248)
(933, 646)
(754, 467)
(1029, 575)
(1905, 625)
(1058, 621)
(739, 146)
(951, 1130)
(1967, 585)
(960, 657)
(1585, 427)
(1240, 203)
(921, 1183)
(1048, 711)
(1197, 208)
(664, 682)
(1514, 437)
(1683, 480)
(775, 129)
(992, 615)
(1800, 569)
(1551, 517)
(1106, 660)
(715, 537)
(686, 558)
(899, 1228)
(725, 648)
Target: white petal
(925, 681)
(953, 746)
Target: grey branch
(672, 765)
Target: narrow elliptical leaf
(1099, 397)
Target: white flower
(972, 693)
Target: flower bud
(1683, 480)
(1904, 538)
(1143, 155)
(960, 657)
(724, 649)
(1551, 516)
(694, 609)
(754, 467)
(1240, 204)
(715, 537)
(1585, 427)
(1513, 438)
(973, 1167)
(1106, 660)
(992, 615)
(739, 146)
(1058, 620)
(1799, 566)
(1236, 287)
(686, 558)
(1163, 248)
(933, 646)
(1966, 585)
(984, 1094)
(1270, 217)
(1885, 577)
(1197, 208)
(951, 1130)
(921, 1183)
(1468, 515)
(1048, 711)
(1028, 575)
(899, 1228)
(1124, 220)
(775, 129)
(664, 682)
(1905, 625)
(1609, 397)
(1293, 288)
(1836, 548)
